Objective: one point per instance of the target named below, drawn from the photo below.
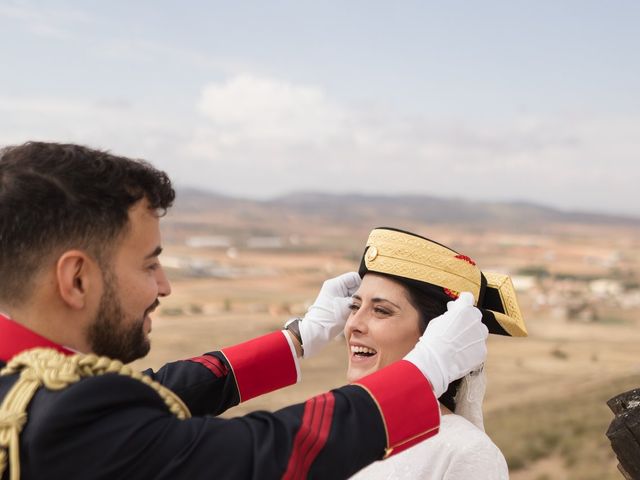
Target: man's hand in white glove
(452, 345)
(326, 318)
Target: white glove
(326, 318)
(452, 345)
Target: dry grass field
(545, 405)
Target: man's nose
(164, 286)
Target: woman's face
(382, 328)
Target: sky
(535, 101)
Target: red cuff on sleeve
(409, 408)
(261, 365)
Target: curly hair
(55, 197)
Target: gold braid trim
(511, 320)
(46, 367)
(405, 255)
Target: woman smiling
(407, 280)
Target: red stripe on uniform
(323, 434)
(307, 444)
(213, 364)
(302, 437)
(311, 437)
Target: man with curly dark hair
(80, 276)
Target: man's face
(132, 284)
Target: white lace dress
(460, 451)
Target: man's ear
(78, 278)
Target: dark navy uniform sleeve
(216, 381)
(114, 426)
(205, 384)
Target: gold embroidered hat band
(444, 271)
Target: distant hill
(379, 210)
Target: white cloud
(260, 136)
(267, 112)
(263, 136)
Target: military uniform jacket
(113, 426)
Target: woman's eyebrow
(355, 296)
(378, 300)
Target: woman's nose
(357, 322)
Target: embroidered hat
(444, 273)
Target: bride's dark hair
(430, 302)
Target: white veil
(470, 396)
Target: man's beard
(109, 336)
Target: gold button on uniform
(372, 253)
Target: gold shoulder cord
(49, 368)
